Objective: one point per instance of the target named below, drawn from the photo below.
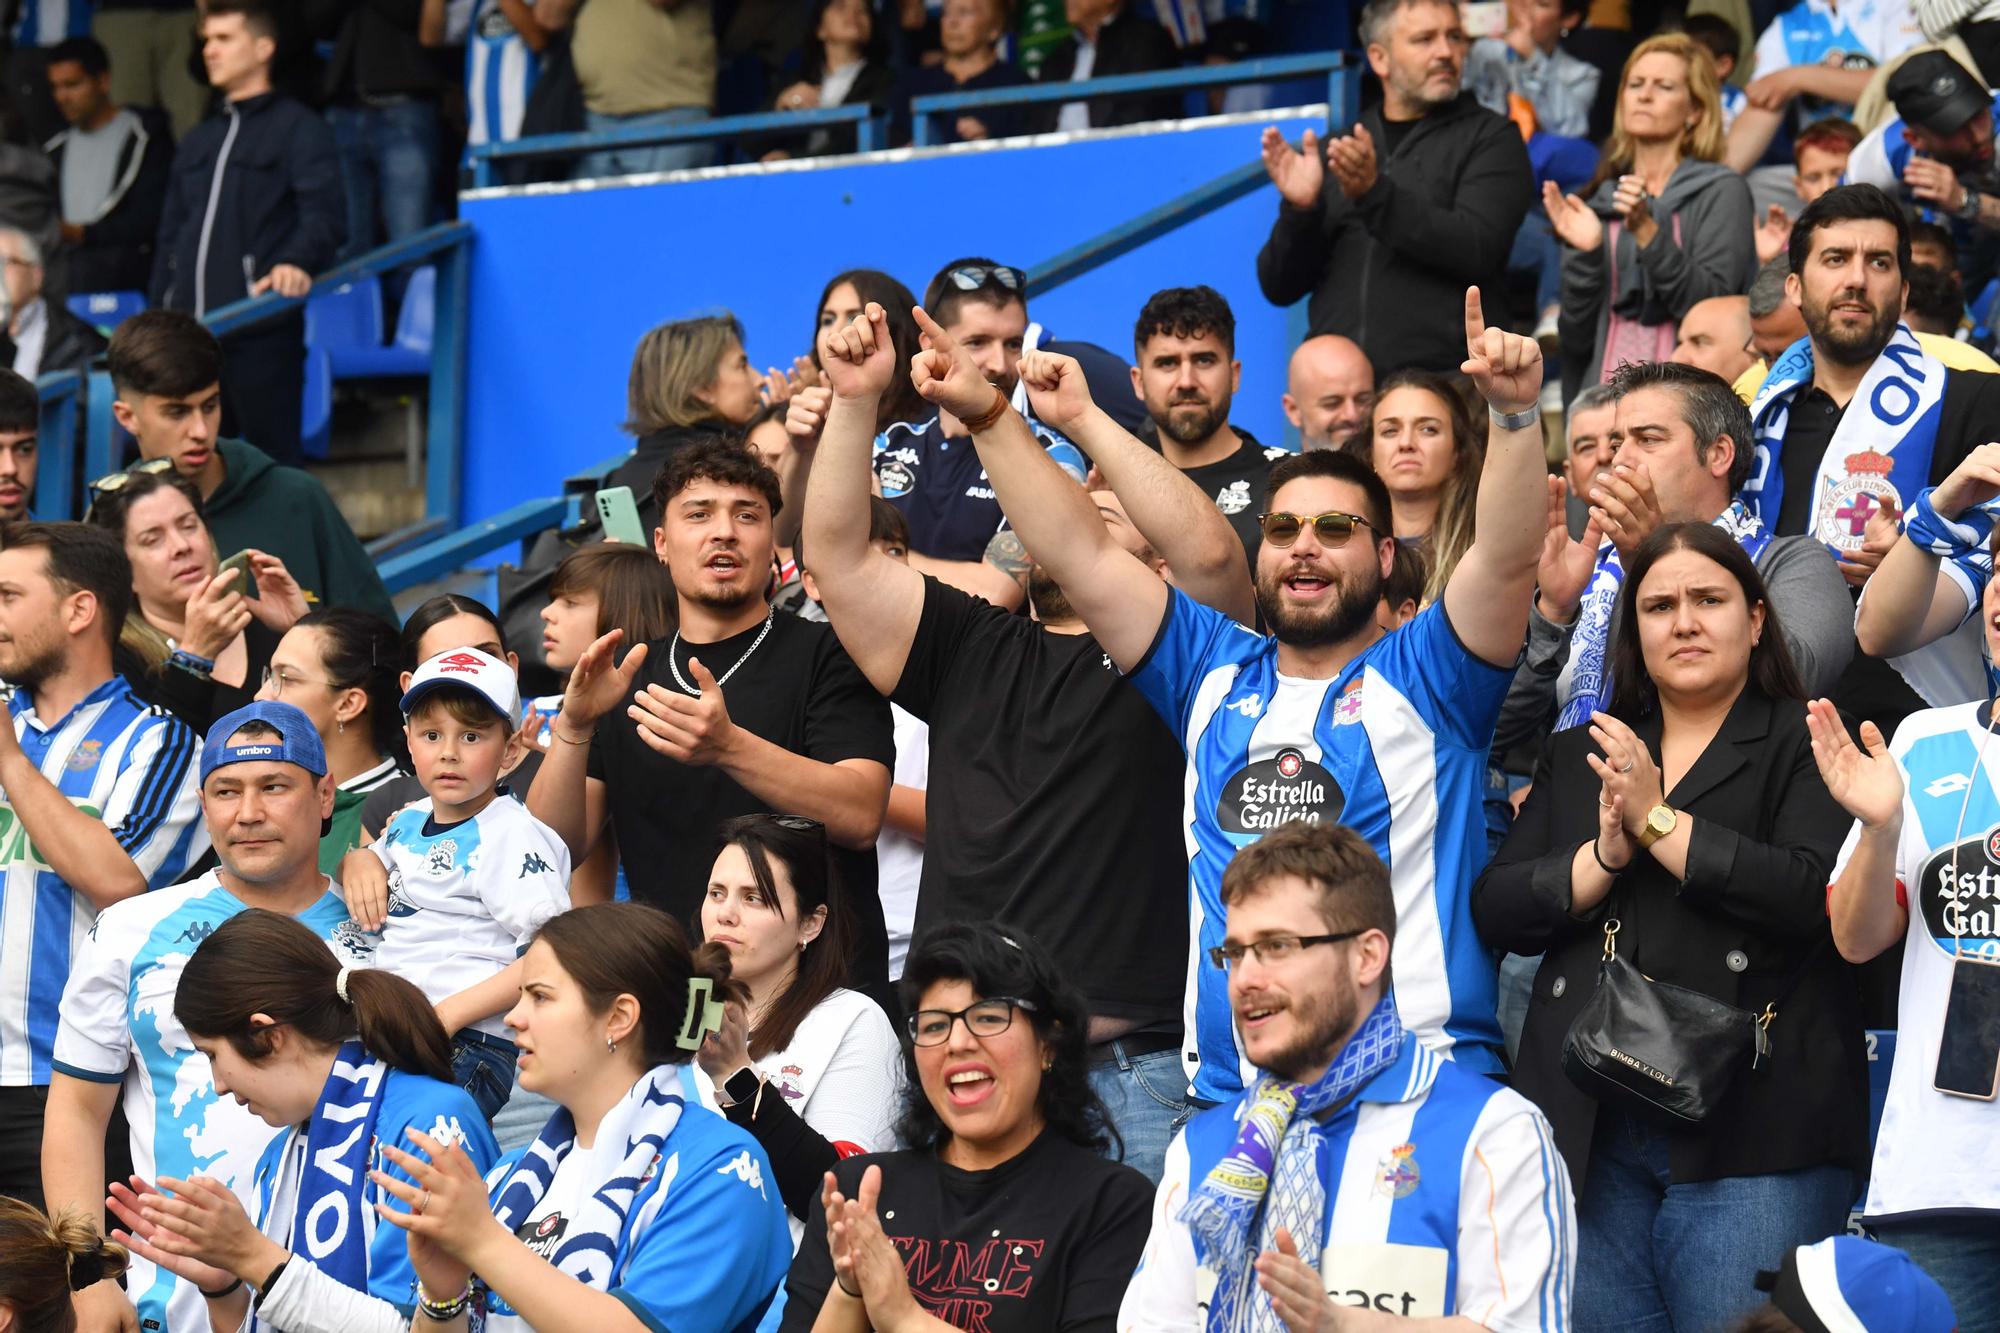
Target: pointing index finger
(1475, 325)
(934, 333)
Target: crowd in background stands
(982, 841)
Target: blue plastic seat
(316, 407)
(105, 311)
(410, 352)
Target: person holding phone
(1920, 868)
(201, 631)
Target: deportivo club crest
(1398, 1175)
(1846, 506)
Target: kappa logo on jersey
(85, 757)
(1958, 894)
(745, 1168)
(534, 865)
(1949, 785)
(464, 664)
(196, 932)
(897, 479)
(1233, 498)
(1248, 706)
(443, 856)
(544, 1236)
(1284, 789)
(446, 1132)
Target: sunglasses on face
(1332, 528)
(971, 277)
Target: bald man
(1329, 391)
(1715, 336)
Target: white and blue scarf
(1584, 684)
(333, 1223)
(631, 1146)
(1271, 1177)
(1880, 453)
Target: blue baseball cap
(1845, 1283)
(299, 744)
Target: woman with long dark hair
(633, 1209)
(805, 1064)
(846, 64)
(1421, 442)
(1686, 831)
(338, 667)
(340, 1059)
(1005, 1140)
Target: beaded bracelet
(195, 662)
(442, 1312)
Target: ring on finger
(1629, 765)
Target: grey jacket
(1808, 596)
(1715, 256)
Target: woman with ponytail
(635, 1208)
(343, 1059)
(43, 1260)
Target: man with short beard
(1186, 374)
(1052, 783)
(1328, 718)
(1356, 1166)
(1857, 420)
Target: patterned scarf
(1584, 684)
(334, 1223)
(631, 1143)
(1276, 1160)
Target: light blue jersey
(1394, 747)
(1444, 1196)
(46, 22)
(118, 1026)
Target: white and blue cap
(469, 669)
(1845, 1284)
(297, 741)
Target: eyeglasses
(278, 680)
(1332, 528)
(118, 481)
(1272, 949)
(971, 277)
(985, 1018)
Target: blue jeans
(1661, 1257)
(1963, 1254)
(636, 161)
(1535, 251)
(484, 1067)
(522, 1119)
(388, 164)
(1147, 1098)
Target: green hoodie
(285, 512)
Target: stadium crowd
(980, 840)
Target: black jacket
(1750, 911)
(69, 344)
(1390, 269)
(654, 451)
(375, 49)
(1130, 44)
(280, 202)
(116, 252)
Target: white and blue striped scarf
(333, 1223)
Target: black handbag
(1651, 1046)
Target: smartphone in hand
(247, 585)
(619, 515)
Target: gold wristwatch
(1660, 821)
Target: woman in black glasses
(198, 638)
(806, 1065)
(1002, 1213)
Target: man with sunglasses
(925, 468)
(1359, 1180)
(1328, 718)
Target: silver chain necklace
(673, 650)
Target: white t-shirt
(465, 898)
(840, 1074)
(899, 858)
(1934, 1150)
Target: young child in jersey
(467, 879)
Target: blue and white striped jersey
(118, 1026)
(1880, 159)
(1394, 747)
(1444, 1196)
(500, 73)
(46, 22)
(132, 766)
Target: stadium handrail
(870, 132)
(1342, 92)
(61, 395)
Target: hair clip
(704, 1014)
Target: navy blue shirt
(942, 489)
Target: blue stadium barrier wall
(565, 280)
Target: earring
(339, 728)
(610, 1045)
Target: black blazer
(1751, 909)
(1130, 44)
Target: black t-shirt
(1236, 484)
(1045, 1243)
(1870, 687)
(798, 690)
(1054, 802)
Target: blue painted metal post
(100, 435)
(446, 433)
(483, 174)
(56, 437)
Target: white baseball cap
(482, 673)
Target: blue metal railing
(444, 245)
(870, 133)
(1342, 87)
(56, 480)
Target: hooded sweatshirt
(285, 512)
(1714, 256)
